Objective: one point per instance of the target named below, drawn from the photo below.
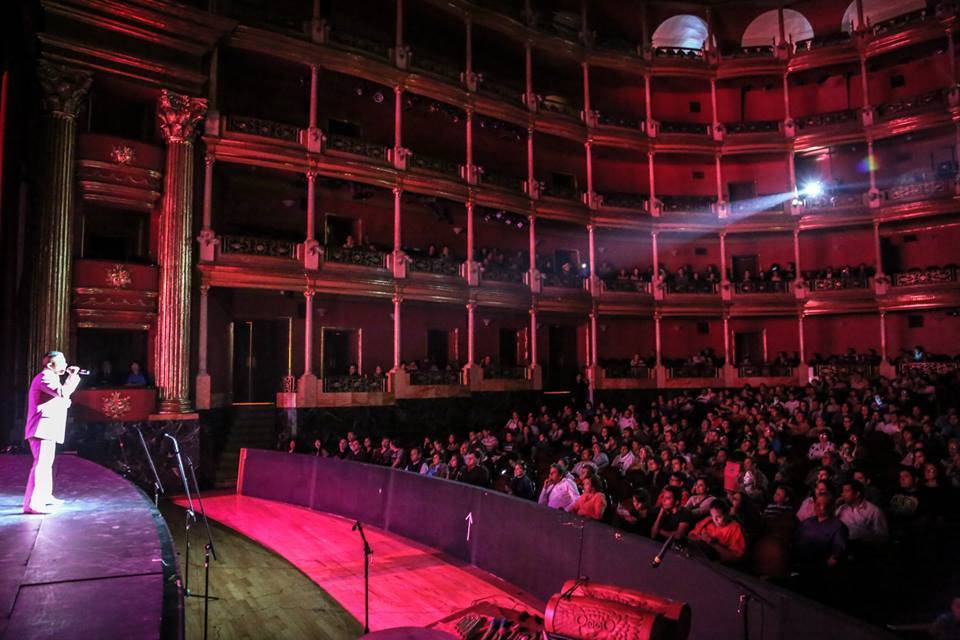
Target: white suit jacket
(47, 404)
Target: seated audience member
(698, 504)
(560, 490)
(671, 519)
(520, 484)
(720, 535)
(591, 503)
(136, 378)
(864, 520)
(637, 515)
(473, 472)
(821, 542)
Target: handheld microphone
(658, 559)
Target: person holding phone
(47, 404)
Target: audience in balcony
(845, 275)
(688, 280)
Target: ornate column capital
(309, 293)
(63, 88)
(209, 159)
(204, 289)
(179, 116)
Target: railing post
(307, 383)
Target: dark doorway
(259, 359)
(508, 347)
(890, 257)
(438, 347)
(337, 352)
(744, 264)
(338, 228)
(748, 347)
(742, 190)
(562, 357)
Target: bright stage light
(812, 189)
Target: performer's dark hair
(50, 356)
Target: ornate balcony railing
(762, 286)
(437, 165)
(563, 280)
(514, 183)
(625, 200)
(436, 266)
(356, 256)
(759, 126)
(899, 22)
(264, 128)
(919, 277)
(626, 286)
(687, 204)
(499, 89)
(694, 371)
(838, 283)
(422, 378)
(373, 47)
(557, 191)
(765, 371)
(497, 273)
(251, 246)
(844, 369)
(760, 204)
(625, 371)
(559, 106)
(834, 200)
(692, 128)
(929, 367)
(828, 119)
(354, 384)
(624, 122)
(912, 104)
(501, 372)
(700, 287)
(921, 190)
(766, 51)
(436, 66)
(678, 52)
(346, 144)
(615, 43)
(819, 42)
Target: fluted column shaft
(64, 90)
(179, 116)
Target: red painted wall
(622, 337)
(763, 100)
(836, 333)
(819, 249)
(679, 336)
(552, 154)
(488, 324)
(817, 92)
(677, 250)
(338, 99)
(624, 250)
(623, 173)
(417, 318)
(617, 93)
(768, 248)
(939, 334)
(673, 175)
(672, 97)
(931, 247)
(920, 76)
(770, 173)
(782, 334)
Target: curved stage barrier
(538, 549)
(102, 566)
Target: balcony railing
(687, 204)
(436, 66)
(692, 128)
(496, 273)
(759, 126)
(828, 119)
(678, 52)
(563, 280)
(700, 287)
(626, 286)
(263, 128)
(913, 104)
(765, 371)
(766, 51)
(920, 277)
(694, 371)
(838, 283)
(437, 165)
(347, 144)
(626, 371)
(625, 122)
(373, 47)
(834, 200)
(356, 256)
(560, 106)
(436, 266)
(819, 42)
(423, 378)
(899, 22)
(760, 204)
(929, 367)
(624, 200)
(251, 246)
(502, 372)
(762, 286)
(499, 89)
(558, 191)
(354, 384)
(503, 180)
(924, 188)
(844, 369)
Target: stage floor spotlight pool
(812, 189)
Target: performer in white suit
(47, 404)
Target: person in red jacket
(720, 535)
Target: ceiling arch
(875, 11)
(764, 31)
(685, 31)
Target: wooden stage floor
(410, 584)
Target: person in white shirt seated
(623, 460)
(559, 490)
(865, 520)
(627, 421)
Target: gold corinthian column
(179, 116)
(63, 90)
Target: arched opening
(764, 31)
(688, 32)
(875, 11)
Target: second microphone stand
(367, 552)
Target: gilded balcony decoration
(356, 256)
(116, 405)
(123, 154)
(354, 384)
(250, 246)
(846, 369)
(921, 186)
(504, 372)
(263, 128)
(698, 287)
(622, 371)
(436, 165)
(346, 144)
(179, 116)
(353, 41)
(118, 276)
(765, 371)
(436, 266)
(834, 200)
(563, 280)
(828, 119)
(762, 286)
(759, 126)
(837, 284)
(689, 128)
(929, 368)
(920, 277)
(435, 378)
(686, 204)
(912, 104)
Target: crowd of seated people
(702, 364)
(686, 279)
(775, 278)
(135, 376)
(497, 264)
(820, 487)
(844, 274)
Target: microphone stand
(208, 551)
(191, 514)
(367, 552)
(157, 485)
